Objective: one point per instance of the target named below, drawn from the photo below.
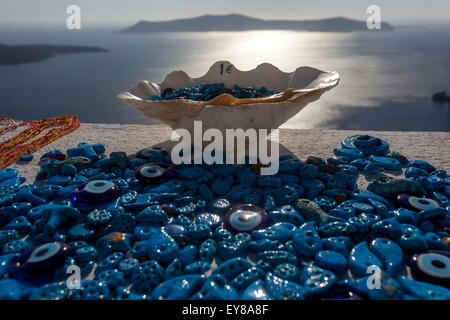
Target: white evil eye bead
(155, 173)
(432, 266)
(422, 203)
(147, 153)
(95, 191)
(245, 218)
(43, 258)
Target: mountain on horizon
(238, 22)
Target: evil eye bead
(47, 252)
(416, 203)
(149, 153)
(155, 173)
(432, 266)
(95, 191)
(245, 218)
(45, 258)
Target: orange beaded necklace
(13, 148)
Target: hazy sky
(124, 12)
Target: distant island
(237, 22)
(16, 54)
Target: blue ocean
(387, 78)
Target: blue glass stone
(112, 278)
(82, 232)
(256, 291)
(13, 182)
(11, 289)
(431, 213)
(389, 253)
(326, 203)
(306, 240)
(8, 173)
(364, 221)
(75, 245)
(52, 291)
(207, 250)
(5, 262)
(340, 244)
(178, 232)
(86, 254)
(280, 289)
(358, 286)
(91, 290)
(421, 164)
(412, 238)
(215, 290)
(361, 258)
(372, 169)
(114, 241)
(359, 163)
(20, 224)
(389, 164)
(331, 260)
(351, 154)
(281, 231)
(147, 277)
(389, 288)
(230, 250)
(183, 287)
(98, 217)
(221, 234)
(231, 268)
(54, 215)
(403, 215)
(162, 248)
(211, 219)
(27, 195)
(340, 294)
(245, 278)
(286, 213)
(368, 144)
(16, 246)
(238, 192)
(336, 229)
(199, 232)
(287, 271)
(197, 267)
(386, 228)
(316, 280)
(443, 200)
(434, 241)
(128, 266)
(174, 269)
(188, 254)
(123, 222)
(276, 257)
(91, 151)
(423, 290)
(432, 183)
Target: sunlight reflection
(263, 42)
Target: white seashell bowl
(295, 90)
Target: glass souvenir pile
(94, 226)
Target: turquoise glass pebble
(169, 239)
(206, 92)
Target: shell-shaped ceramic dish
(295, 90)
